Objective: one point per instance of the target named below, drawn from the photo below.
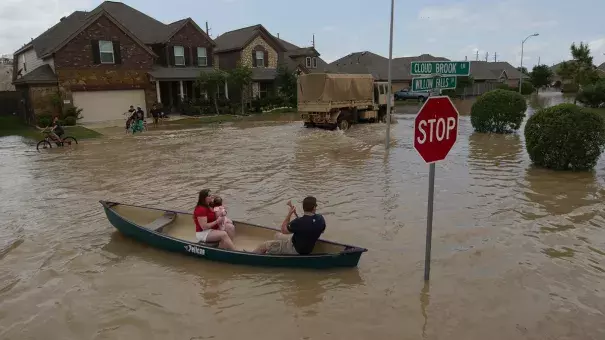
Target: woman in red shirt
(207, 225)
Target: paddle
(290, 205)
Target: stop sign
(436, 128)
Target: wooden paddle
(290, 205)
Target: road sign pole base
(429, 223)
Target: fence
(9, 103)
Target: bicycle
(46, 143)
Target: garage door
(103, 106)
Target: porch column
(181, 93)
(226, 91)
(157, 90)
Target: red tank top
(201, 211)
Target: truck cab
(380, 93)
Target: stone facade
(77, 71)
(246, 56)
(40, 99)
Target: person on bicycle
(57, 131)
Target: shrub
(565, 137)
(592, 95)
(526, 88)
(69, 121)
(72, 111)
(569, 88)
(504, 86)
(44, 119)
(498, 111)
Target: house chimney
(277, 35)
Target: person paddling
(305, 231)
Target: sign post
(446, 68)
(435, 133)
(434, 83)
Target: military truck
(332, 100)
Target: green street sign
(433, 83)
(449, 68)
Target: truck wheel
(309, 125)
(343, 125)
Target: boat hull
(349, 257)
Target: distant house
(487, 75)
(255, 47)
(112, 57)
(6, 74)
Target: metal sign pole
(389, 92)
(429, 223)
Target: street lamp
(524, 40)
(388, 115)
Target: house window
(260, 58)
(106, 52)
(202, 56)
(314, 62)
(179, 55)
(264, 89)
(308, 62)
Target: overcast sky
(453, 29)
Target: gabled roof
(293, 52)
(369, 63)
(240, 38)
(141, 27)
(41, 75)
(485, 70)
(176, 26)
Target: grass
(12, 126)
(217, 119)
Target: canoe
(175, 231)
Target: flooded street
(518, 252)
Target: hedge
(498, 111)
(565, 137)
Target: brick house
(107, 59)
(255, 47)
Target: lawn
(214, 119)
(12, 126)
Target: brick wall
(191, 37)
(246, 57)
(76, 70)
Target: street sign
(451, 68)
(435, 129)
(429, 84)
(435, 133)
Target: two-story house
(255, 47)
(112, 57)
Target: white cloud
(23, 20)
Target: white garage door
(103, 106)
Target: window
(308, 60)
(314, 62)
(106, 52)
(179, 55)
(264, 89)
(202, 56)
(260, 58)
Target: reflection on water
(513, 245)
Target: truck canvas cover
(332, 87)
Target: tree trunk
(242, 95)
(216, 102)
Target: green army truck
(332, 100)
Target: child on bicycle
(57, 131)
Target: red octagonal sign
(436, 129)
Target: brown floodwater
(518, 252)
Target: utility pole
(389, 94)
(313, 39)
(465, 58)
(277, 35)
(207, 29)
(477, 57)
(486, 56)
(538, 60)
(495, 57)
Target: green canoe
(174, 231)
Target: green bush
(498, 111)
(44, 119)
(504, 86)
(565, 137)
(526, 88)
(592, 95)
(72, 111)
(569, 88)
(69, 121)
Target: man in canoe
(207, 224)
(305, 231)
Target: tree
(286, 82)
(210, 81)
(540, 76)
(523, 70)
(580, 70)
(240, 77)
(592, 95)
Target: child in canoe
(220, 211)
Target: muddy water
(518, 253)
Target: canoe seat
(211, 244)
(162, 221)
